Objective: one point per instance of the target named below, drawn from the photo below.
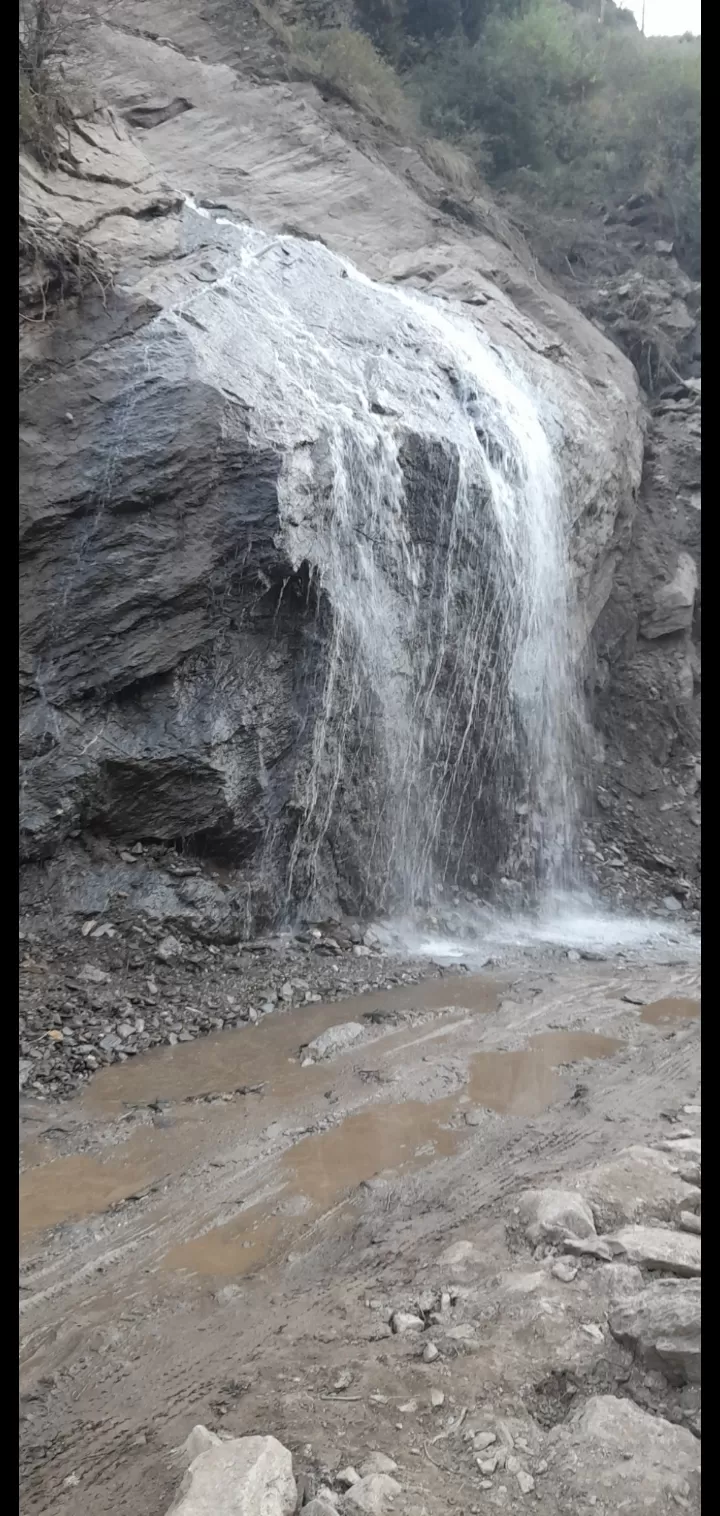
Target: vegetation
(563, 97)
(45, 109)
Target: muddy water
(388, 1138)
(526, 1083)
(322, 1169)
(318, 1172)
(268, 1053)
(69, 1189)
(673, 1008)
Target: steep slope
(153, 511)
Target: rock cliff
(175, 637)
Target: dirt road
(221, 1231)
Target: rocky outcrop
(175, 637)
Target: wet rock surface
(170, 521)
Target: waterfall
(426, 503)
(460, 658)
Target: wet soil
(204, 1224)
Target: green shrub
(346, 62)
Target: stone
(674, 602)
(94, 975)
(404, 1321)
(488, 1466)
(564, 1270)
(244, 1476)
(437, 1398)
(615, 1456)
(168, 949)
(377, 1463)
(671, 904)
(552, 1215)
(661, 1323)
(25, 1070)
(372, 1495)
(198, 1441)
(430, 1352)
(638, 1184)
(347, 1476)
(690, 1222)
(334, 1041)
(319, 1507)
(226, 1293)
(658, 1248)
(483, 1440)
(525, 1481)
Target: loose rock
(554, 1215)
(240, 1477)
(372, 1495)
(335, 1040)
(659, 1249)
(661, 1323)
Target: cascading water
(470, 668)
(428, 509)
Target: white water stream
(449, 677)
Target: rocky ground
(468, 1210)
(127, 949)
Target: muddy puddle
(323, 1170)
(526, 1082)
(70, 1189)
(673, 1008)
(267, 1054)
(319, 1172)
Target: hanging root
(55, 266)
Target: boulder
(555, 1215)
(638, 1184)
(334, 1041)
(615, 1457)
(661, 1323)
(246, 1476)
(372, 1495)
(658, 1248)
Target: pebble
(484, 1440)
(437, 1398)
(430, 1353)
(403, 1321)
(377, 1463)
(348, 1477)
(564, 1270)
(525, 1481)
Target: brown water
(674, 1008)
(526, 1082)
(268, 1053)
(318, 1172)
(323, 1168)
(387, 1138)
(69, 1189)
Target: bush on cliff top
(565, 93)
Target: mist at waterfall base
(449, 671)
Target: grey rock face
(176, 466)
